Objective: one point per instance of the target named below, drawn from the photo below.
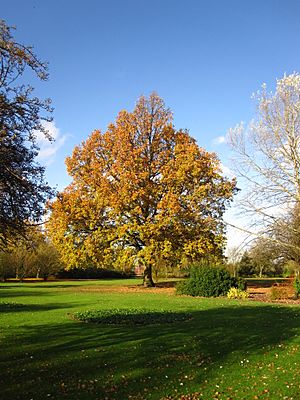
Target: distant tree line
(29, 256)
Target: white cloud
(219, 140)
(48, 149)
(239, 232)
(236, 238)
(227, 171)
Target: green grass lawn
(228, 349)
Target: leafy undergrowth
(130, 316)
(227, 350)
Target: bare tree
(268, 159)
(233, 256)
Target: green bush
(208, 281)
(239, 283)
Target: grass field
(228, 350)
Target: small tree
(263, 255)
(285, 233)
(279, 248)
(47, 260)
(6, 268)
(19, 257)
(233, 257)
(246, 267)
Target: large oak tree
(141, 192)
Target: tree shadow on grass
(45, 285)
(30, 290)
(24, 293)
(7, 307)
(87, 361)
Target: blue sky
(204, 58)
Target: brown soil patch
(263, 294)
(258, 293)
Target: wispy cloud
(236, 238)
(219, 140)
(49, 149)
(227, 171)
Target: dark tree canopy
(23, 190)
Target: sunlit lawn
(228, 350)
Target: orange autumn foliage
(140, 191)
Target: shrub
(236, 293)
(130, 316)
(239, 283)
(207, 281)
(282, 292)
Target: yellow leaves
(141, 189)
(197, 248)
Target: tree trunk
(147, 279)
